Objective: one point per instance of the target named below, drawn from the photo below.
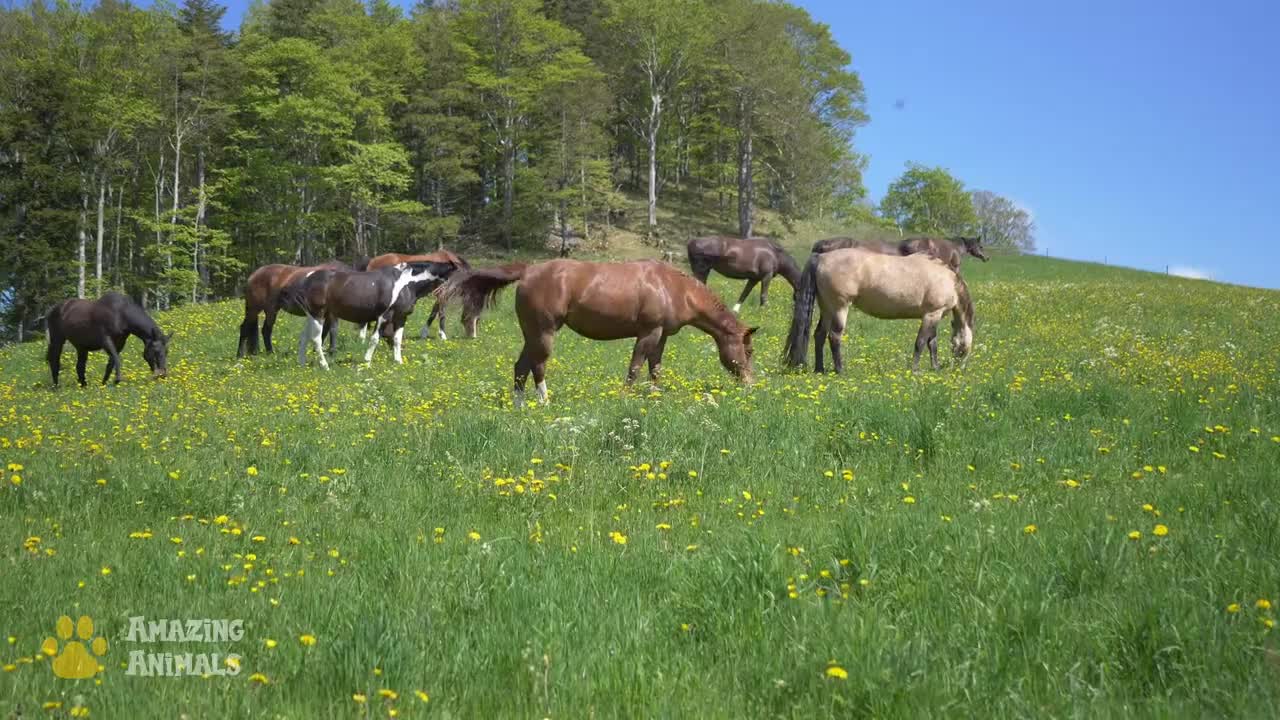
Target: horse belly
(601, 323)
(889, 305)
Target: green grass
(1087, 389)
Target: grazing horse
(104, 324)
(262, 295)
(889, 287)
(642, 299)
(948, 251)
(438, 308)
(755, 260)
(385, 297)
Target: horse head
(973, 246)
(156, 352)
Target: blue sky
(1141, 133)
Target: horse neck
(788, 269)
(139, 324)
(711, 316)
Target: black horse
(385, 297)
(755, 260)
(104, 324)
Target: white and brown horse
(889, 287)
(642, 299)
(438, 308)
(262, 295)
(385, 297)
(755, 260)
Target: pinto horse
(889, 287)
(262, 296)
(642, 299)
(948, 251)
(438, 308)
(755, 260)
(385, 297)
(104, 324)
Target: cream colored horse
(888, 287)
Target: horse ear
(751, 331)
(169, 337)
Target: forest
(152, 151)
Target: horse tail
(360, 263)
(456, 259)
(479, 288)
(796, 349)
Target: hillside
(1079, 522)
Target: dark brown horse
(262, 296)
(104, 324)
(385, 297)
(755, 260)
(437, 309)
(948, 251)
(642, 299)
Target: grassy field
(1083, 522)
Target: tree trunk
(745, 189)
(655, 122)
(82, 239)
(173, 216)
(102, 204)
(508, 192)
(201, 206)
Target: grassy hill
(1080, 522)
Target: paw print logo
(75, 662)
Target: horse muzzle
(159, 374)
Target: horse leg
(643, 349)
(922, 341)
(268, 325)
(523, 367)
(751, 284)
(54, 356)
(248, 335)
(819, 342)
(437, 311)
(304, 339)
(113, 360)
(469, 322)
(397, 344)
(932, 321)
(655, 359)
(373, 342)
(316, 333)
(835, 336)
(533, 358)
(540, 380)
(764, 288)
(82, 357)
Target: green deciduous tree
(1002, 223)
(929, 200)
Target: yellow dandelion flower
(1135, 535)
(837, 672)
(359, 697)
(909, 500)
(1160, 531)
(1233, 608)
(270, 643)
(258, 678)
(473, 535)
(1030, 530)
(421, 695)
(307, 640)
(106, 570)
(388, 694)
(252, 470)
(1263, 604)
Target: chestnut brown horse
(104, 324)
(262, 296)
(889, 287)
(948, 251)
(755, 260)
(642, 299)
(438, 308)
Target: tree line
(150, 150)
